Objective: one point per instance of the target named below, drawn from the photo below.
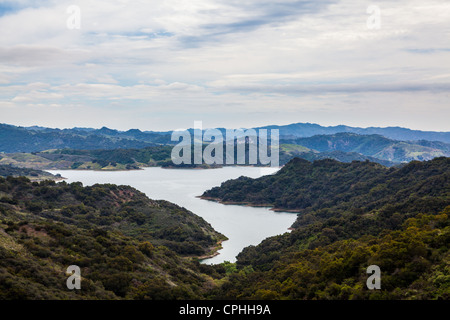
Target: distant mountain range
(375, 146)
(302, 130)
(387, 146)
(34, 139)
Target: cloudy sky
(161, 65)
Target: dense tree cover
(351, 216)
(126, 245)
(328, 187)
(414, 263)
(117, 159)
(108, 206)
(128, 158)
(289, 151)
(35, 254)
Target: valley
(307, 230)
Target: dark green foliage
(131, 157)
(120, 207)
(414, 263)
(329, 186)
(351, 216)
(115, 234)
(341, 156)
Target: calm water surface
(243, 226)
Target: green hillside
(18, 139)
(32, 174)
(126, 245)
(375, 146)
(290, 151)
(117, 159)
(414, 263)
(351, 215)
(307, 186)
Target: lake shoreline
(215, 251)
(241, 224)
(249, 204)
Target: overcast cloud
(160, 65)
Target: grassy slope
(375, 146)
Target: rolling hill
(126, 245)
(375, 146)
(351, 216)
(19, 139)
(307, 186)
(301, 130)
(32, 174)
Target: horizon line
(254, 127)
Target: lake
(242, 225)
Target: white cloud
(274, 60)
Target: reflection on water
(242, 225)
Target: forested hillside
(351, 215)
(290, 151)
(133, 159)
(328, 184)
(414, 263)
(104, 159)
(126, 244)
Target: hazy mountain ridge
(376, 146)
(35, 138)
(343, 146)
(303, 130)
(18, 139)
